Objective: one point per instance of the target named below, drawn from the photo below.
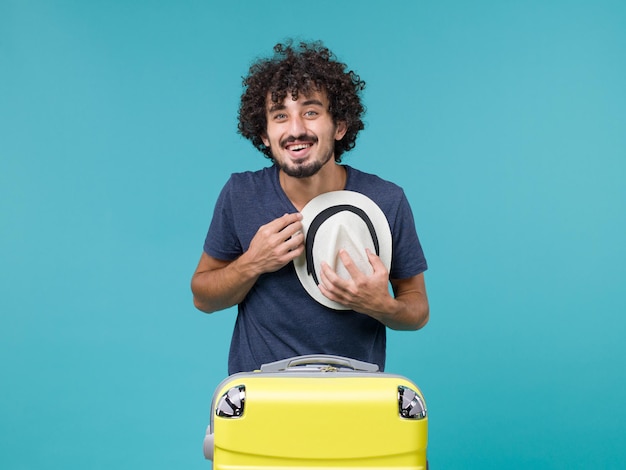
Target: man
(302, 109)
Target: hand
(275, 244)
(362, 293)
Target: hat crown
(346, 238)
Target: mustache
(302, 138)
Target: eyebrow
(280, 106)
(312, 101)
(276, 107)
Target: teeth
(299, 146)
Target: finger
(328, 294)
(326, 285)
(281, 229)
(293, 227)
(287, 220)
(375, 261)
(350, 265)
(292, 230)
(331, 280)
(327, 274)
(291, 255)
(280, 223)
(295, 241)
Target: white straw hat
(340, 220)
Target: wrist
(247, 268)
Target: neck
(332, 177)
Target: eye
(311, 113)
(279, 117)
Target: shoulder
(362, 180)
(247, 186)
(245, 179)
(255, 197)
(385, 193)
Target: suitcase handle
(319, 359)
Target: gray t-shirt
(278, 318)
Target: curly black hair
(305, 68)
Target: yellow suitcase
(319, 411)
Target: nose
(296, 126)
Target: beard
(303, 170)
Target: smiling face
(301, 134)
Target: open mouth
(299, 147)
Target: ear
(340, 131)
(265, 140)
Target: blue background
(505, 122)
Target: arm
(414, 312)
(219, 284)
(407, 309)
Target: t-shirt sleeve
(408, 258)
(221, 241)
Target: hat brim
(341, 220)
